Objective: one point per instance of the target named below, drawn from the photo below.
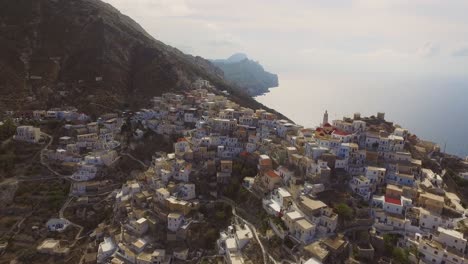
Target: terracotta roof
(244, 154)
(392, 200)
(265, 162)
(272, 174)
(340, 132)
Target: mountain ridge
(86, 53)
(250, 75)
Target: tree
(210, 237)
(400, 255)
(7, 130)
(7, 163)
(390, 241)
(344, 211)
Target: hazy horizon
(420, 37)
(428, 110)
(354, 55)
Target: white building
(28, 134)
(161, 195)
(85, 173)
(141, 225)
(106, 249)
(174, 221)
(376, 175)
(57, 224)
(451, 239)
(361, 186)
(432, 251)
(186, 191)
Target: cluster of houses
(213, 131)
(84, 146)
(31, 134)
(87, 146)
(294, 164)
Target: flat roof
(139, 243)
(451, 232)
(174, 215)
(334, 243)
(49, 243)
(141, 220)
(304, 224)
(392, 200)
(145, 256)
(159, 253)
(452, 196)
(231, 243)
(317, 250)
(312, 204)
(375, 168)
(283, 192)
(294, 215)
(394, 187)
(163, 191)
(433, 197)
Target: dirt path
(265, 254)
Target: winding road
(134, 159)
(265, 254)
(70, 198)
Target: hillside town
(243, 186)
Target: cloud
(224, 39)
(158, 8)
(347, 34)
(428, 50)
(218, 36)
(460, 51)
(309, 51)
(385, 53)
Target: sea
(433, 108)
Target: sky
(417, 37)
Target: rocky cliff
(87, 54)
(247, 74)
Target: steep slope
(248, 74)
(86, 53)
(237, 57)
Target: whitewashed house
(28, 134)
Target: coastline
(304, 100)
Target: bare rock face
(247, 74)
(85, 53)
